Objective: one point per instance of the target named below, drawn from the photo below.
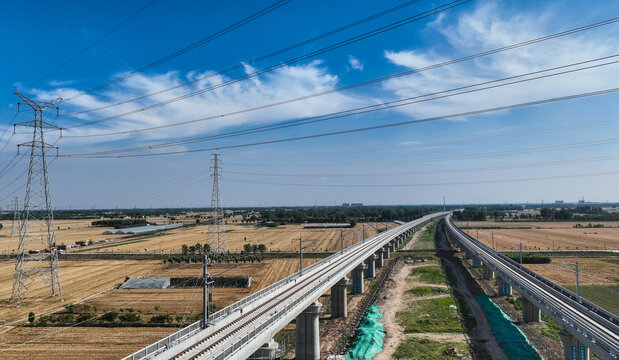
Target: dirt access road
(393, 297)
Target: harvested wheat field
(547, 235)
(79, 342)
(113, 343)
(593, 271)
(281, 238)
(79, 280)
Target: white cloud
(355, 63)
(488, 27)
(282, 84)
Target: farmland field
(97, 280)
(279, 238)
(546, 235)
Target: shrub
(85, 317)
(161, 319)
(109, 316)
(130, 317)
(31, 317)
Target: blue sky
(469, 159)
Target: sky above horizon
(282, 99)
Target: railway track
(590, 324)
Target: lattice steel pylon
(15, 226)
(37, 219)
(216, 236)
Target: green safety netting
(510, 337)
(369, 336)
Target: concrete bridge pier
(487, 273)
(477, 262)
(370, 266)
(269, 350)
(392, 245)
(339, 300)
(469, 254)
(379, 259)
(386, 251)
(530, 312)
(308, 333)
(572, 348)
(357, 279)
(503, 287)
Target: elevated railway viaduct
(249, 325)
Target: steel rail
(592, 325)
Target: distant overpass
(249, 325)
(586, 325)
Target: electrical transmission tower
(15, 227)
(37, 219)
(216, 236)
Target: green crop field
(601, 295)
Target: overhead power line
(83, 51)
(553, 177)
(188, 48)
(421, 145)
(347, 113)
(253, 61)
(428, 172)
(329, 48)
(363, 129)
(262, 107)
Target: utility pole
(520, 253)
(342, 240)
(443, 203)
(303, 247)
(205, 285)
(216, 235)
(493, 240)
(15, 227)
(38, 208)
(574, 268)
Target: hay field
(541, 235)
(279, 238)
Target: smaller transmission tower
(37, 220)
(216, 236)
(15, 227)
